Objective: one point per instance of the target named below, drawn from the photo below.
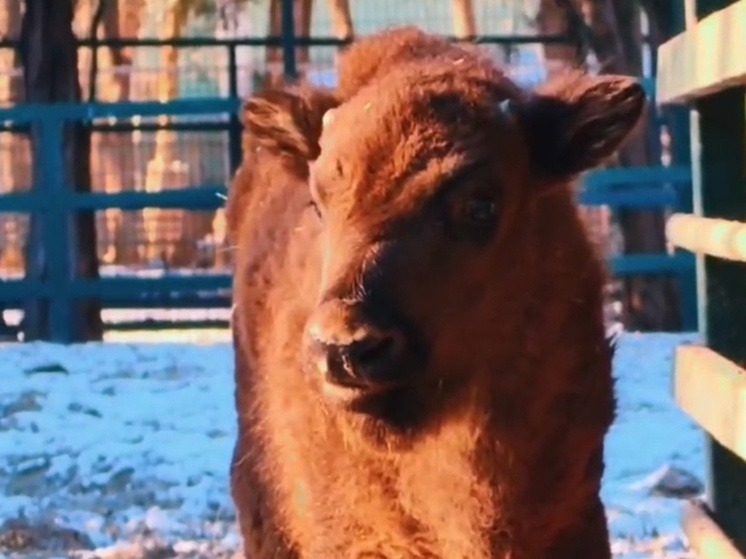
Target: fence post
(721, 193)
(679, 120)
(679, 127)
(290, 67)
(58, 231)
(234, 128)
(722, 124)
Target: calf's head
(422, 194)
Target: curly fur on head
(429, 209)
(372, 57)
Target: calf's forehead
(381, 139)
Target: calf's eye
(480, 210)
(473, 217)
(469, 204)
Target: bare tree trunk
(341, 19)
(464, 21)
(606, 43)
(83, 11)
(650, 302)
(12, 153)
(342, 26)
(50, 63)
(163, 240)
(125, 21)
(11, 86)
(662, 25)
(10, 28)
(302, 13)
(121, 19)
(273, 55)
(130, 16)
(661, 19)
(553, 19)
(11, 255)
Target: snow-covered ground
(122, 449)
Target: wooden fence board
(705, 537)
(707, 58)
(706, 66)
(712, 390)
(722, 238)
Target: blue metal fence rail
(55, 200)
(642, 188)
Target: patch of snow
(118, 439)
(128, 446)
(650, 433)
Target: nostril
(371, 350)
(345, 346)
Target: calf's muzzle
(349, 348)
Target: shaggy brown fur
(434, 216)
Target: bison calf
(421, 365)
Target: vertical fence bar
(679, 122)
(679, 127)
(234, 127)
(720, 192)
(722, 125)
(289, 63)
(57, 230)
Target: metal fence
(124, 287)
(158, 170)
(149, 155)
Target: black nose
(369, 360)
(347, 347)
(371, 350)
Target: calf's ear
(576, 122)
(287, 120)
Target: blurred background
(129, 190)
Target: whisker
(226, 249)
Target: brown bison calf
(421, 365)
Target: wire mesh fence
(167, 155)
(161, 154)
